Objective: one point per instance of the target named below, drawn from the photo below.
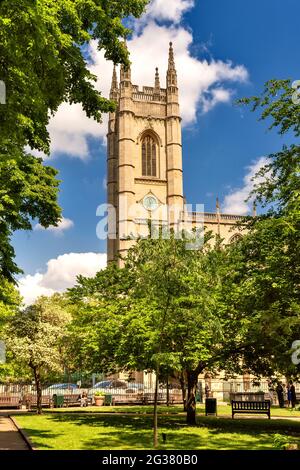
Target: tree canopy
(269, 253)
(44, 60)
(169, 310)
(35, 336)
(28, 191)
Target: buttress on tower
(144, 163)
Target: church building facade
(145, 178)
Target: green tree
(43, 49)
(10, 302)
(35, 339)
(44, 62)
(193, 317)
(269, 253)
(28, 191)
(163, 311)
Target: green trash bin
(58, 401)
(108, 400)
(211, 406)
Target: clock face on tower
(150, 203)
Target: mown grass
(94, 431)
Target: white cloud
(35, 153)
(217, 95)
(30, 288)
(168, 10)
(60, 274)
(234, 203)
(63, 225)
(199, 81)
(202, 84)
(70, 129)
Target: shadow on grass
(139, 410)
(135, 432)
(250, 424)
(37, 434)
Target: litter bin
(108, 400)
(58, 401)
(211, 406)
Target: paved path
(10, 438)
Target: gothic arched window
(149, 156)
(235, 238)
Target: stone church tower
(144, 156)
(144, 163)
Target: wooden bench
(10, 401)
(251, 407)
(127, 400)
(71, 400)
(31, 401)
(75, 400)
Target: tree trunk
(155, 424)
(38, 384)
(192, 379)
(183, 391)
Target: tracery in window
(149, 156)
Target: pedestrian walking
(293, 398)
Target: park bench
(251, 407)
(31, 401)
(74, 400)
(161, 398)
(71, 400)
(10, 401)
(127, 400)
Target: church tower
(144, 158)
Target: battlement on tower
(148, 93)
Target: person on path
(289, 394)
(279, 391)
(293, 397)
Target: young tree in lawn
(185, 291)
(163, 311)
(35, 336)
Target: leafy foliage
(28, 190)
(42, 49)
(43, 63)
(165, 310)
(269, 253)
(276, 104)
(35, 337)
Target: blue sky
(227, 49)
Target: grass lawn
(65, 430)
